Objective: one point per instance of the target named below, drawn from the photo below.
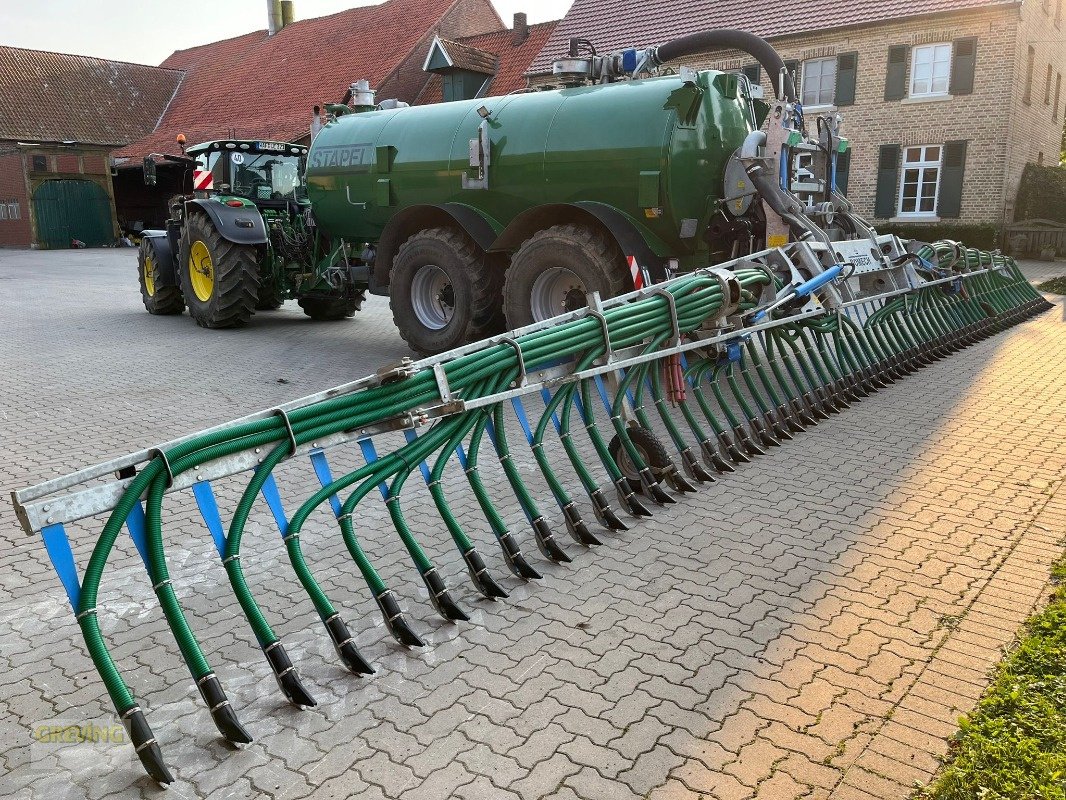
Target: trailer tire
(443, 292)
(329, 309)
(157, 299)
(219, 279)
(651, 449)
(555, 268)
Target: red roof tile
(261, 86)
(468, 57)
(617, 24)
(56, 97)
(513, 61)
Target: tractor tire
(219, 279)
(329, 309)
(157, 299)
(443, 292)
(651, 450)
(554, 269)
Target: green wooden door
(72, 209)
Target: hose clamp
(671, 301)
(521, 380)
(608, 352)
(731, 290)
(280, 412)
(166, 464)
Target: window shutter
(847, 64)
(963, 61)
(896, 79)
(843, 167)
(753, 72)
(952, 172)
(887, 181)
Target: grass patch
(1013, 746)
(1054, 286)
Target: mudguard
(166, 262)
(479, 227)
(632, 239)
(240, 225)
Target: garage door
(72, 210)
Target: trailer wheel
(651, 449)
(328, 309)
(443, 293)
(157, 299)
(554, 269)
(219, 279)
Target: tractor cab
(263, 172)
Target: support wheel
(157, 299)
(219, 279)
(443, 291)
(651, 449)
(329, 309)
(555, 268)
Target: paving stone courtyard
(811, 626)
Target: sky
(147, 31)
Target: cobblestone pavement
(809, 627)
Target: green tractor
(245, 240)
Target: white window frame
(921, 165)
(803, 82)
(931, 49)
(13, 210)
(3, 211)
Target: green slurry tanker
(507, 210)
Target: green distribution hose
(779, 380)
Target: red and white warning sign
(636, 272)
(202, 180)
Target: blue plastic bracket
(555, 417)
(58, 547)
(205, 501)
(273, 500)
(325, 477)
(523, 420)
(370, 453)
(601, 387)
(410, 436)
(136, 524)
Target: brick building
(944, 102)
(60, 118)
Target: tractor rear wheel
(554, 269)
(157, 299)
(220, 279)
(443, 293)
(331, 308)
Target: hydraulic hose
(728, 39)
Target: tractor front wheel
(554, 269)
(157, 299)
(219, 279)
(442, 291)
(331, 308)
